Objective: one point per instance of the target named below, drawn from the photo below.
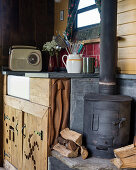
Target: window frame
(85, 9)
(89, 28)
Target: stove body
(106, 123)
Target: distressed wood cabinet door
(13, 136)
(35, 141)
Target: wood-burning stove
(107, 115)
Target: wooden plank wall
(126, 30)
(60, 26)
(26, 22)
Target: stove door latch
(119, 122)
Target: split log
(62, 141)
(125, 151)
(117, 162)
(71, 146)
(66, 152)
(126, 157)
(67, 143)
(72, 135)
(84, 152)
(129, 162)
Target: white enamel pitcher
(73, 63)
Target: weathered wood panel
(4, 85)
(127, 33)
(127, 53)
(6, 135)
(127, 66)
(13, 136)
(25, 106)
(126, 5)
(35, 145)
(126, 29)
(15, 128)
(126, 17)
(127, 41)
(40, 92)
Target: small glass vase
(51, 65)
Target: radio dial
(33, 59)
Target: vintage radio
(25, 58)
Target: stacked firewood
(70, 144)
(125, 157)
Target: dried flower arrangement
(52, 47)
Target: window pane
(85, 3)
(88, 18)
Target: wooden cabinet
(25, 135)
(31, 126)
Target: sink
(18, 86)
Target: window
(87, 14)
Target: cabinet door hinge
(6, 155)
(23, 130)
(6, 117)
(17, 127)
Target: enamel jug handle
(63, 60)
